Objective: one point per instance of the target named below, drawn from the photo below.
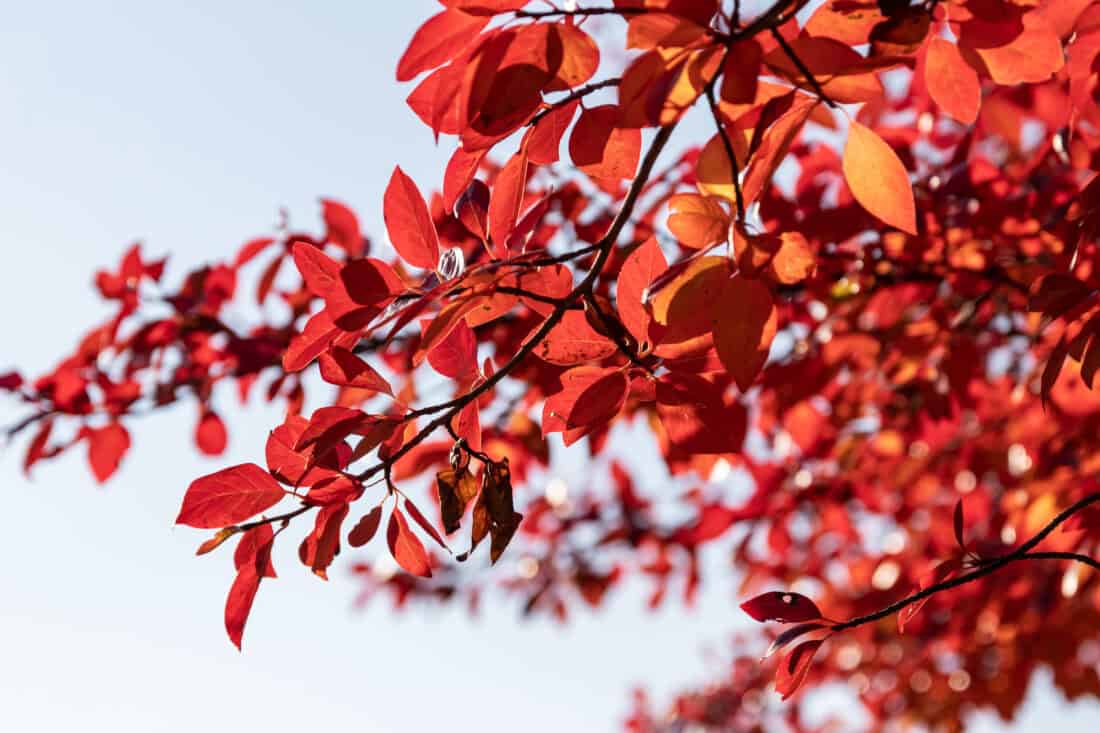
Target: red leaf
(251, 547)
(366, 287)
(690, 407)
(573, 341)
(794, 667)
(11, 381)
(467, 425)
(741, 72)
(958, 524)
(639, 270)
(405, 547)
(320, 272)
(251, 248)
(322, 545)
(601, 149)
(365, 528)
(343, 368)
(36, 449)
(744, 330)
(940, 573)
(210, 434)
(589, 398)
(878, 178)
(456, 355)
(506, 200)
(790, 635)
(314, 338)
(782, 607)
(773, 146)
(437, 41)
(328, 426)
(425, 524)
(106, 447)
(472, 209)
(460, 172)
(485, 7)
(298, 468)
(342, 226)
(229, 496)
(408, 222)
(543, 140)
(713, 521)
(242, 593)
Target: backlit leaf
(745, 323)
(229, 496)
(405, 547)
(878, 179)
(408, 222)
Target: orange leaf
(686, 304)
(1029, 58)
(952, 82)
(878, 179)
(774, 144)
(697, 221)
(713, 172)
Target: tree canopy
(868, 293)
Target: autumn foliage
(868, 293)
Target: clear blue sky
(187, 127)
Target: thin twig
(616, 331)
(277, 518)
(1074, 556)
(801, 66)
(574, 95)
(582, 12)
(728, 145)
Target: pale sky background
(187, 126)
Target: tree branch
(604, 246)
(1020, 553)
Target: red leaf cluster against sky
(869, 289)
